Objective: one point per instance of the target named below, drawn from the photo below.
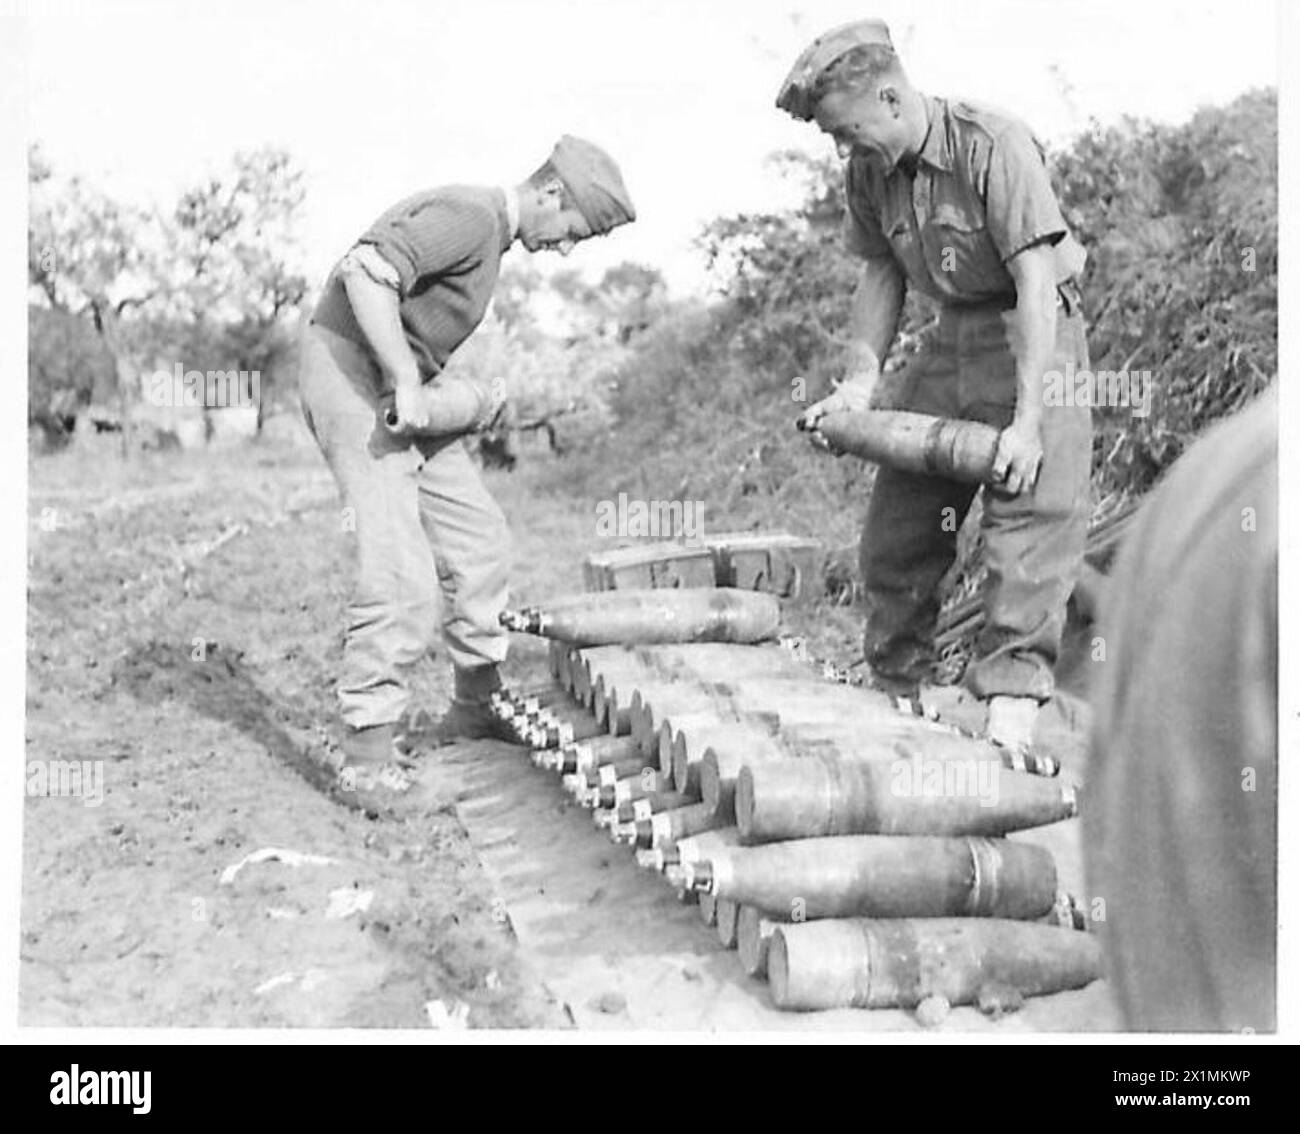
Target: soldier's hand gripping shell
(1019, 458)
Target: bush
(1181, 228)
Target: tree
(634, 296)
(92, 257)
(215, 279)
(232, 247)
(514, 301)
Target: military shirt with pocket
(979, 193)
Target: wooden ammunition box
(781, 564)
(665, 564)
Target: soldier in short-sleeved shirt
(986, 196)
(955, 200)
(431, 544)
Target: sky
(379, 98)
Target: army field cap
(594, 182)
(795, 97)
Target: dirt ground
(201, 677)
(183, 632)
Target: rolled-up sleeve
(1021, 206)
(863, 235)
(426, 237)
(368, 259)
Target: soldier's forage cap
(795, 97)
(593, 180)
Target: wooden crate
(664, 564)
(785, 565)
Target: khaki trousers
(1033, 543)
(428, 534)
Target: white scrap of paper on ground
(307, 981)
(346, 901)
(274, 983)
(273, 854)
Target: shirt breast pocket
(960, 248)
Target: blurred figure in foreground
(1181, 813)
